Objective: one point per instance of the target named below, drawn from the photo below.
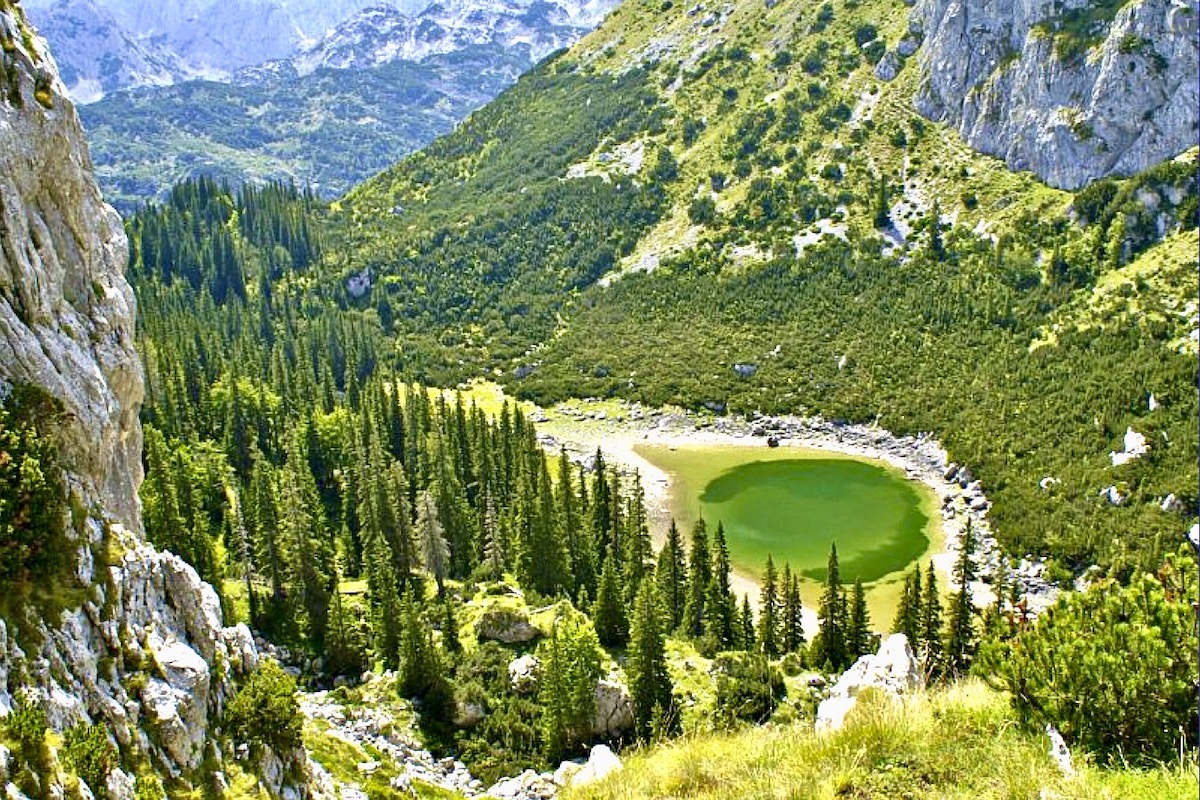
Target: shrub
(88, 751)
(32, 494)
(748, 688)
(26, 726)
(265, 711)
(702, 211)
(1113, 668)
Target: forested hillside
(794, 213)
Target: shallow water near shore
(792, 503)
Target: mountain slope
(808, 221)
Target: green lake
(792, 504)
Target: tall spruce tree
(746, 625)
(960, 639)
(859, 636)
(793, 610)
(834, 647)
(435, 552)
(649, 682)
(931, 629)
(769, 612)
(608, 612)
(671, 574)
(908, 612)
(699, 574)
(719, 623)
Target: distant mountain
(104, 46)
(329, 129)
(377, 86)
(98, 55)
(383, 33)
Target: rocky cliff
(1073, 90)
(140, 647)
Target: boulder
(523, 674)
(1059, 753)
(892, 670)
(614, 708)
(1135, 446)
(507, 625)
(566, 771)
(888, 67)
(600, 764)
(1171, 504)
(467, 715)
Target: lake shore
(618, 428)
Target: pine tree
(960, 644)
(608, 612)
(699, 574)
(649, 683)
(435, 552)
(581, 558)
(834, 647)
(746, 624)
(859, 638)
(671, 574)
(719, 600)
(342, 654)
(570, 666)
(908, 612)
(639, 554)
(768, 616)
(931, 629)
(422, 672)
(793, 620)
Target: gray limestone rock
(893, 669)
(1070, 113)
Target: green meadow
(793, 503)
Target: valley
(512, 467)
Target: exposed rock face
(1072, 110)
(893, 669)
(66, 311)
(144, 647)
(614, 707)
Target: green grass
(792, 503)
(961, 742)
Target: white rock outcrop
(523, 674)
(614, 707)
(1135, 446)
(993, 70)
(600, 764)
(893, 670)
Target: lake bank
(621, 429)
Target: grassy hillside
(961, 742)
